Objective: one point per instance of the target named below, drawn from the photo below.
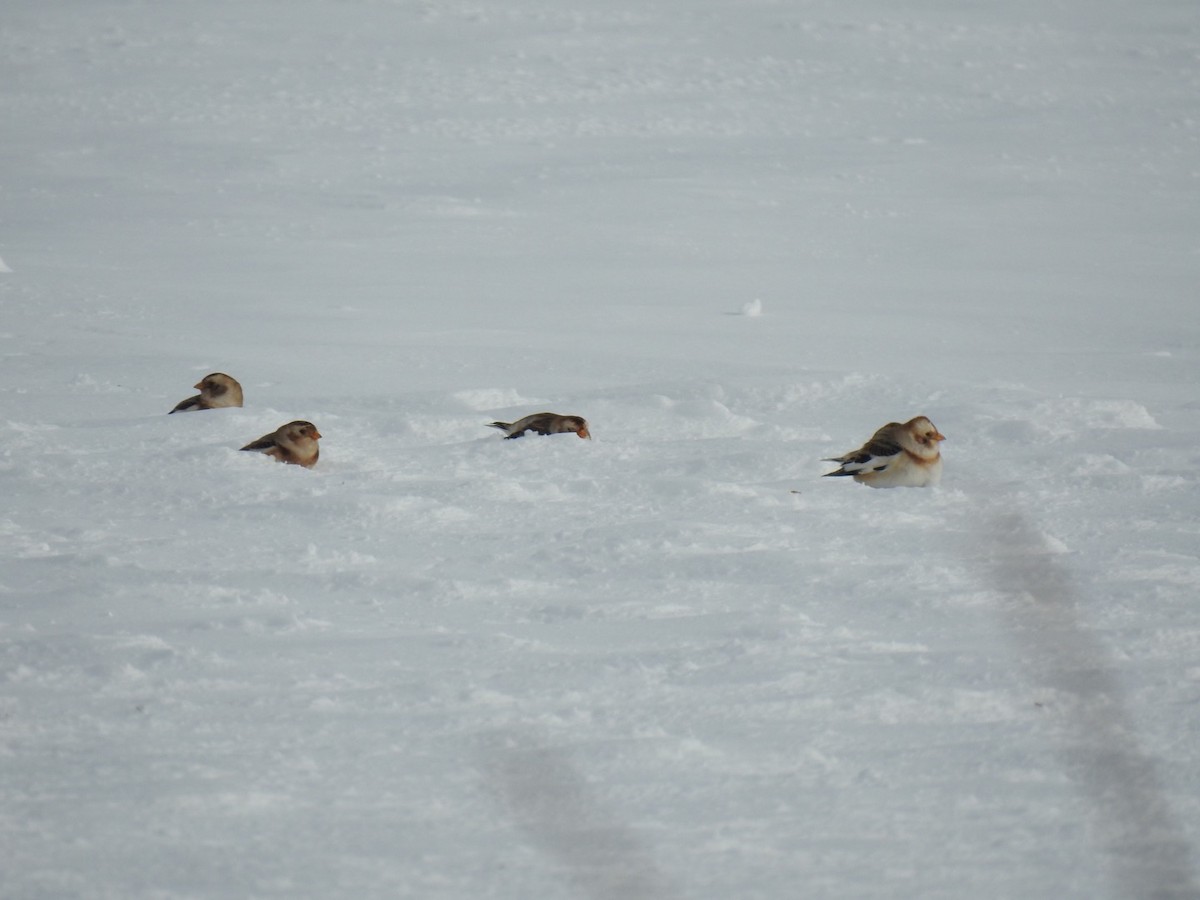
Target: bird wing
(263, 443)
(189, 404)
(873, 456)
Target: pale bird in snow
(295, 443)
(216, 390)
(897, 455)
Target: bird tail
(840, 471)
(503, 426)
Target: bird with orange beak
(544, 423)
(295, 443)
(216, 391)
(897, 455)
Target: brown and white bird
(216, 390)
(544, 423)
(897, 455)
(295, 443)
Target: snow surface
(671, 662)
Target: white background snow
(737, 236)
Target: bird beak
(939, 436)
(316, 435)
(199, 386)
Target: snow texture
(670, 662)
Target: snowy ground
(443, 665)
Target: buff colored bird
(295, 443)
(216, 391)
(897, 455)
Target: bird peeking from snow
(896, 456)
(216, 390)
(295, 443)
(544, 423)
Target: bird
(216, 390)
(897, 455)
(295, 443)
(544, 423)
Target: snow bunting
(896, 456)
(295, 442)
(544, 423)
(216, 390)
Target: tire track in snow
(550, 802)
(1147, 849)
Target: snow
(670, 662)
